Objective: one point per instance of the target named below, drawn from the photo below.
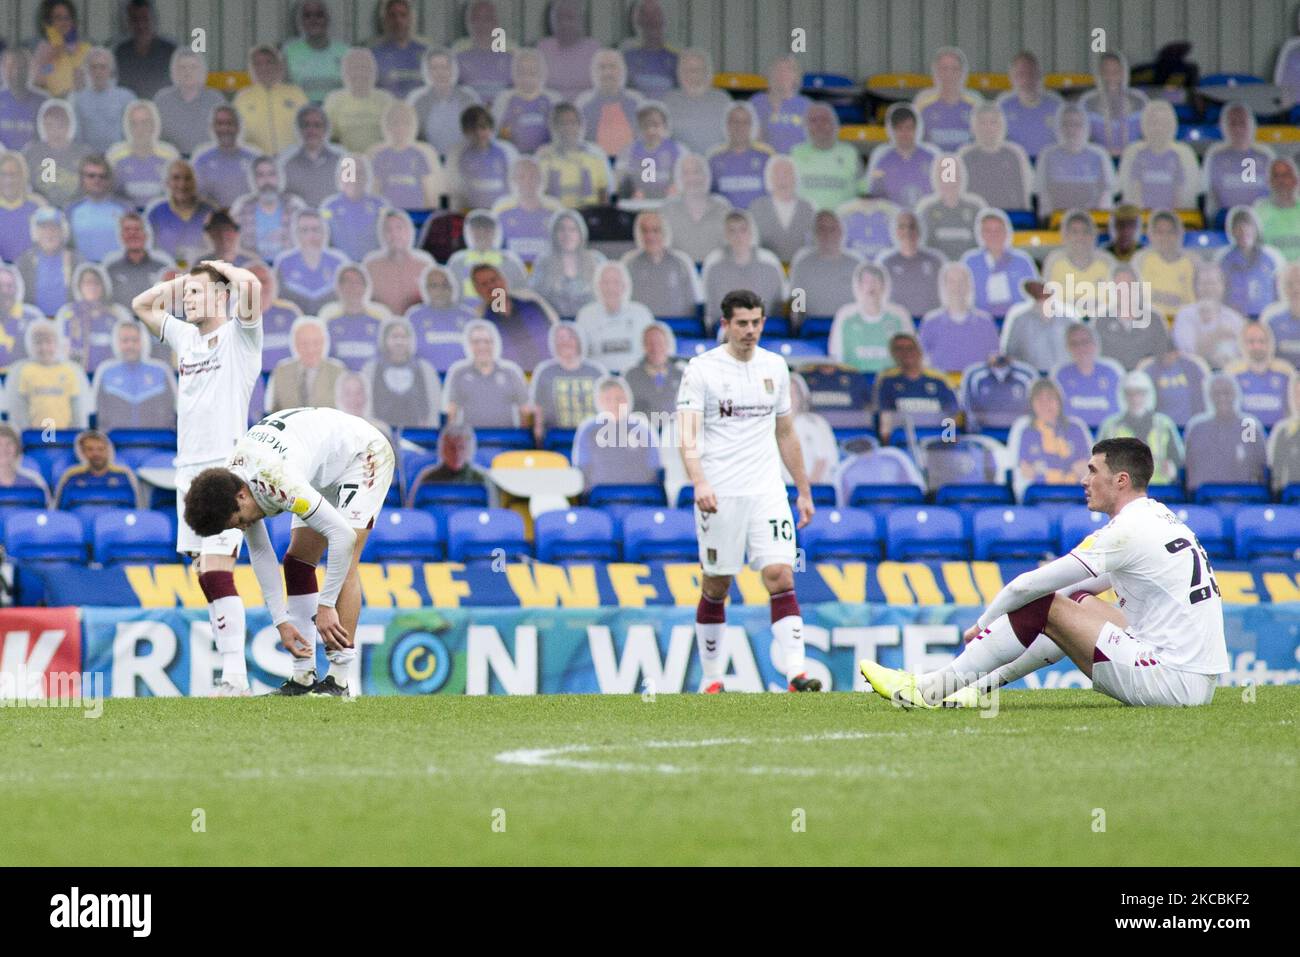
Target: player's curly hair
(211, 501)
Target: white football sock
(228, 630)
(301, 610)
(341, 665)
(1040, 653)
(789, 634)
(994, 647)
(708, 638)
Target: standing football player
(734, 420)
(330, 470)
(219, 361)
(1163, 644)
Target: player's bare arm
(787, 441)
(688, 427)
(153, 305)
(267, 569)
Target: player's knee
(715, 587)
(778, 578)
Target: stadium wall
(856, 37)
(67, 653)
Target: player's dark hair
(740, 299)
(211, 501)
(1128, 455)
(203, 269)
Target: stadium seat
(559, 440)
(575, 534)
(1006, 532)
(641, 495)
(436, 495)
(493, 441)
(475, 534)
(690, 327)
(925, 532)
(848, 534)
(823, 496)
(1168, 494)
(121, 536)
(983, 493)
(659, 534)
(229, 81)
(1290, 494)
(815, 327)
(1267, 531)
(1076, 524)
(688, 348)
(867, 496)
(1069, 81)
(404, 535)
(828, 83)
(1212, 530)
(1204, 239)
(412, 463)
(44, 536)
(1231, 493)
(424, 438)
(895, 82)
(22, 496)
(740, 82)
(117, 496)
(989, 82)
(1040, 492)
(970, 460)
(51, 457)
(1277, 134)
(800, 348)
(134, 446)
(1022, 218)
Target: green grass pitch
(682, 779)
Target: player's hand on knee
(806, 508)
(293, 641)
(706, 498)
(331, 629)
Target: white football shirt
(217, 374)
(739, 402)
(291, 455)
(1165, 585)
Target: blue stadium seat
(823, 495)
(1204, 239)
(22, 496)
(44, 536)
(1040, 493)
(816, 327)
(925, 532)
(52, 458)
(1022, 218)
(559, 440)
(474, 534)
(868, 496)
(689, 327)
(847, 534)
(1168, 494)
(424, 438)
(1231, 493)
(411, 464)
(404, 535)
(982, 493)
(1212, 530)
(114, 496)
(393, 498)
(805, 348)
(776, 327)
(1006, 532)
(436, 495)
(649, 495)
(134, 446)
(575, 534)
(121, 536)
(1267, 531)
(493, 441)
(1076, 524)
(689, 348)
(1290, 494)
(659, 534)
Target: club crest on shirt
(212, 343)
(769, 385)
(713, 556)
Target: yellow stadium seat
(863, 133)
(740, 82)
(1035, 238)
(989, 82)
(1191, 218)
(229, 81)
(1101, 217)
(1068, 81)
(529, 459)
(899, 81)
(1278, 134)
